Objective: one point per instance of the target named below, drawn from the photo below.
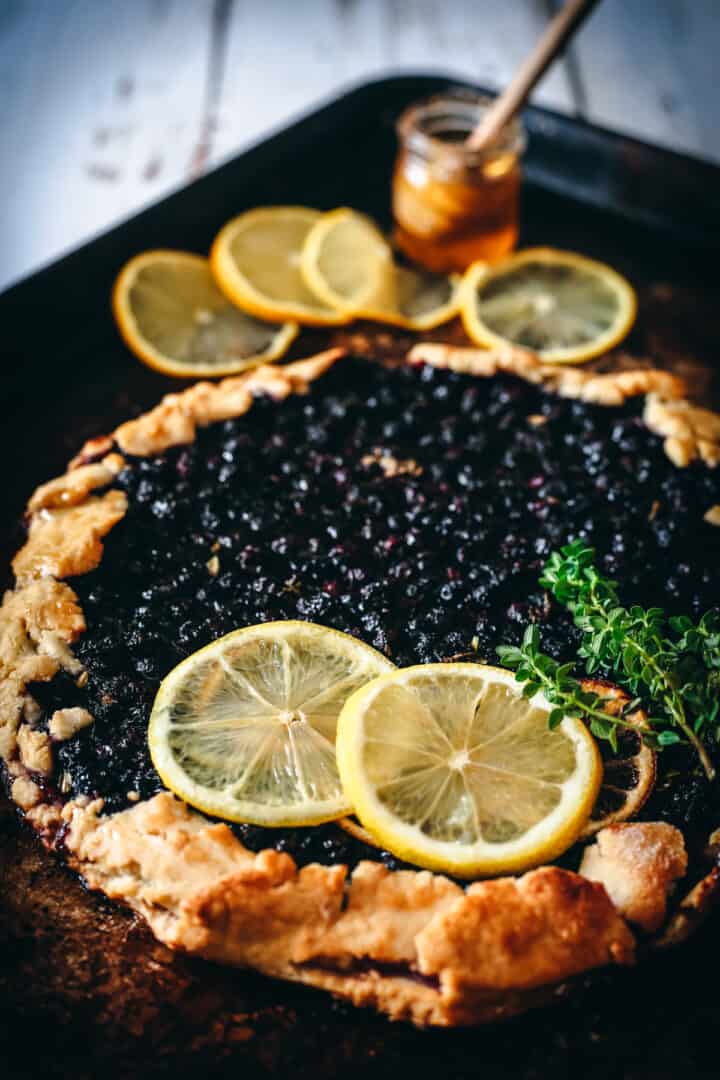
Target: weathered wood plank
(484, 42)
(277, 66)
(102, 111)
(107, 106)
(649, 68)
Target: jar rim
(459, 110)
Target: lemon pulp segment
(255, 259)
(173, 317)
(563, 306)
(245, 728)
(450, 767)
(348, 264)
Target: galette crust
(38, 622)
(25, 792)
(203, 892)
(521, 933)
(638, 863)
(410, 943)
(74, 486)
(64, 723)
(612, 388)
(691, 433)
(692, 911)
(175, 419)
(66, 541)
(34, 747)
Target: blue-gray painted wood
(107, 106)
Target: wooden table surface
(106, 106)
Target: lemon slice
(629, 771)
(420, 300)
(172, 315)
(424, 299)
(348, 264)
(563, 306)
(244, 729)
(255, 259)
(448, 766)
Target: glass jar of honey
(452, 205)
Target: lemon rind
(479, 272)
(240, 291)
(317, 283)
(465, 861)
(139, 345)
(196, 795)
(315, 280)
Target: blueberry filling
(411, 508)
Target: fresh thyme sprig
(674, 665)
(537, 671)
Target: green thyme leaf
(670, 664)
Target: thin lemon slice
(563, 306)
(448, 766)
(255, 259)
(629, 772)
(172, 315)
(244, 729)
(348, 264)
(423, 299)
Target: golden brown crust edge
(690, 432)
(410, 942)
(490, 951)
(638, 863)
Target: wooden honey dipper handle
(557, 34)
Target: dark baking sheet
(84, 990)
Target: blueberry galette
(412, 506)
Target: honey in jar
(452, 205)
